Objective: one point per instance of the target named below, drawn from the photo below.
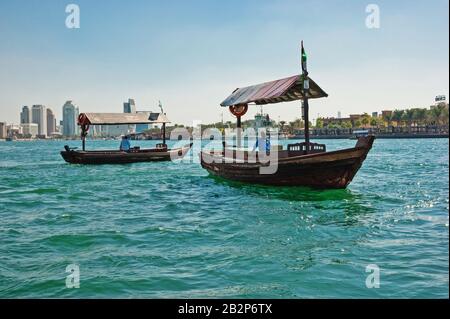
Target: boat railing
(161, 146)
(300, 148)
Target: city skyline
(130, 107)
(186, 57)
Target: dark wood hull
(120, 157)
(334, 169)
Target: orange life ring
(238, 110)
(82, 119)
(84, 123)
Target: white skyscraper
(70, 118)
(39, 117)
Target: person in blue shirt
(125, 144)
(262, 143)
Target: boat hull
(120, 157)
(334, 169)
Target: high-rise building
(39, 117)
(70, 118)
(51, 122)
(129, 107)
(25, 116)
(339, 115)
(117, 130)
(3, 131)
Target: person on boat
(125, 144)
(262, 143)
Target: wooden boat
(301, 164)
(135, 155)
(334, 169)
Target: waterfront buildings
(70, 117)
(140, 128)
(25, 115)
(30, 130)
(3, 132)
(14, 130)
(39, 117)
(386, 114)
(338, 121)
(117, 130)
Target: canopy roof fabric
(122, 118)
(156, 118)
(284, 90)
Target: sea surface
(162, 230)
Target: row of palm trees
(436, 115)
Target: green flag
(304, 60)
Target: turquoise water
(168, 230)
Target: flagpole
(305, 98)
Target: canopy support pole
(84, 131)
(306, 119)
(238, 135)
(164, 133)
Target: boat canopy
(284, 90)
(122, 118)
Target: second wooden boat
(134, 155)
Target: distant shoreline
(380, 136)
(315, 137)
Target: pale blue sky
(191, 54)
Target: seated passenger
(125, 144)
